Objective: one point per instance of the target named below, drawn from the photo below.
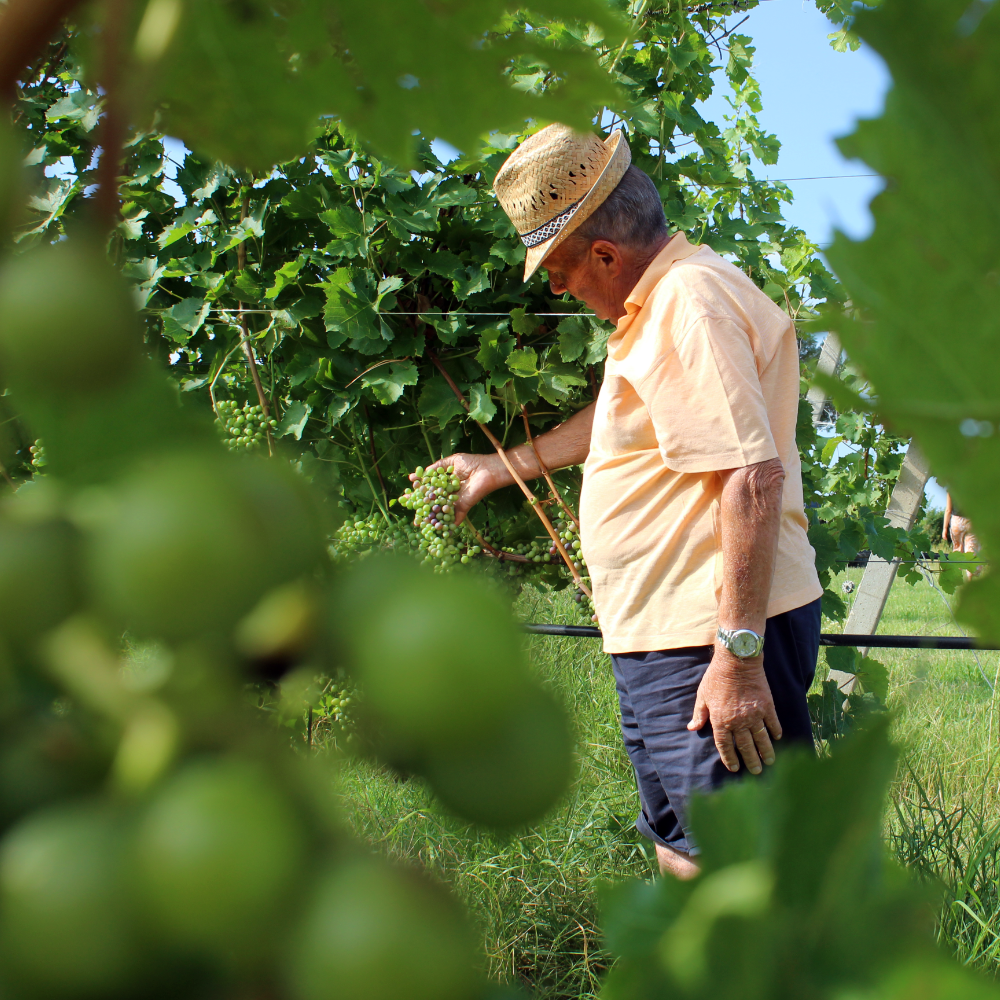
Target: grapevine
(243, 428)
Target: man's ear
(609, 256)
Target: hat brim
(614, 170)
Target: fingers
(724, 744)
(771, 721)
(763, 744)
(700, 715)
(441, 463)
(748, 751)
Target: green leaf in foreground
(796, 896)
(927, 282)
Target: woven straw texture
(554, 181)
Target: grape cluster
(432, 500)
(535, 551)
(336, 706)
(364, 534)
(337, 703)
(38, 458)
(569, 535)
(433, 538)
(244, 427)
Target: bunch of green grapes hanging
(38, 457)
(360, 535)
(243, 428)
(335, 710)
(435, 540)
(432, 500)
(569, 535)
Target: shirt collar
(677, 248)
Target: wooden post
(904, 505)
(829, 361)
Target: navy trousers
(657, 693)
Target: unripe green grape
(376, 932)
(217, 853)
(40, 574)
(67, 321)
(66, 929)
(189, 544)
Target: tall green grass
(534, 893)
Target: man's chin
(596, 310)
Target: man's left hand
(735, 697)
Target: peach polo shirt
(702, 375)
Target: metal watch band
(743, 643)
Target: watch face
(744, 644)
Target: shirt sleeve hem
(721, 462)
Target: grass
(534, 894)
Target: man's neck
(637, 263)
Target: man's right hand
(479, 475)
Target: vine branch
(489, 550)
(107, 202)
(241, 263)
(25, 28)
(543, 467)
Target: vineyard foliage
(361, 283)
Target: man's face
(591, 275)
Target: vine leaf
(388, 381)
(286, 275)
(482, 409)
(523, 363)
(294, 420)
(183, 320)
(573, 338)
(350, 232)
(437, 400)
(495, 345)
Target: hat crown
(547, 174)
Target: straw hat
(554, 181)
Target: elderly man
(691, 514)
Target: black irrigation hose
(869, 641)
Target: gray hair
(631, 216)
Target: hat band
(551, 228)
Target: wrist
(743, 643)
(731, 665)
(498, 472)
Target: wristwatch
(741, 642)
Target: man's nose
(557, 289)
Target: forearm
(565, 445)
(750, 519)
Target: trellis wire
(429, 312)
(827, 639)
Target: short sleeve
(705, 400)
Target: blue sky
(811, 95)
